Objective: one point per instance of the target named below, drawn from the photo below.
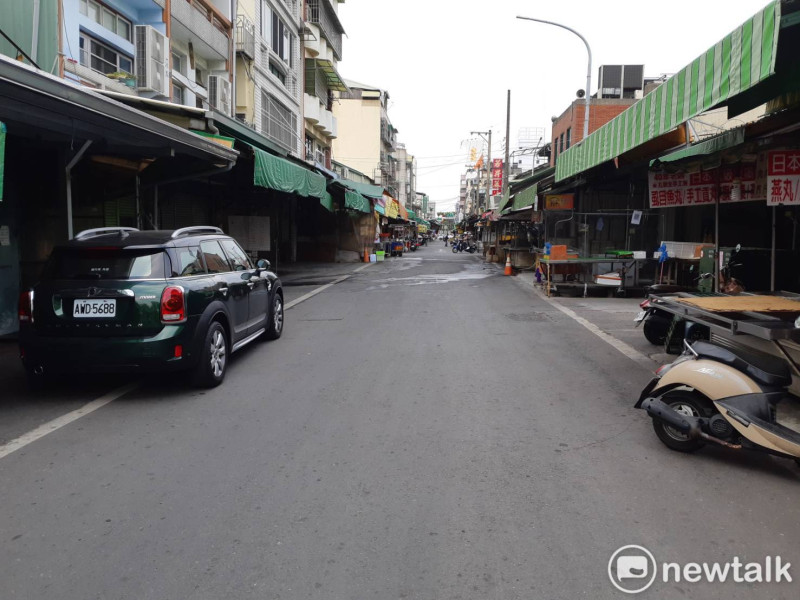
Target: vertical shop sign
(497, 176)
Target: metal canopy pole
(68, 172)
(772, 261)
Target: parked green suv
(117, 299)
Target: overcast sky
(447, 64)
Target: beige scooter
(721, 395)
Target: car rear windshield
(105, 263)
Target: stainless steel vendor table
(583, 263)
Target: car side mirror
(263, 264)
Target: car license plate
(640, 317)
(94, 309)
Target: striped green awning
(737, 63)
(526, 197)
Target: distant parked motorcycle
(458, 246)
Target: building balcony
(320, 13)
(92, 78)
(198, 22)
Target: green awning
(738, 62)
(729, 139)
(365, 189)
(356, 201)
(282, 175)
(327, 201)
(332, 77)
(526, 197)
(2, 156)
(412, 215)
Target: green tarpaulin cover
(2, 156)
(327, 201)
(357, 202)
(282, 175)
(365, 189)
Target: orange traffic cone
(366, 255)
(507, 270)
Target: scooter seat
(765, 369)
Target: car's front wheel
(210, 371)
(275, 319)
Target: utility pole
(506, 171)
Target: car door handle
(223, 291)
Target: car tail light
(26, 307)
(645, 303)
(173, 306)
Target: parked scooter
(658, 321)
(458, 246)
(721, 395)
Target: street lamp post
(588, 70)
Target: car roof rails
(196, 229)
(91, 233)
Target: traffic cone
(507, 270)
(366, 255)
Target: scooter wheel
(690, 405)
(655, 330)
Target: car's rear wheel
(210, 371)
(275, 320)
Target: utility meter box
(706, 285)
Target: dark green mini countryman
(117, 299)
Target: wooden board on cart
(766, 304)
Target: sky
(448, 64)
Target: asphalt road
(425, 429)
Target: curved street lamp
(588, 70)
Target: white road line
(313, 293)
(624, 348)
(63, 420)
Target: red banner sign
(497, 176)
(783, 177)
(732, 183)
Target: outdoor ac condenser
(152, 60)
(219, 93)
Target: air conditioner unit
(219, 93)
(152, 60)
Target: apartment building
(406, 177)
(322, 47)
(367, 139)
(268, 70)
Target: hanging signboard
(497, 176)
(682, 189)
(741, 182)
(559, 201)
(783, 177)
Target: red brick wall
(600, 113)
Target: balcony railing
(245, 37)
(212, 15)
(322, 14)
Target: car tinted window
(215, 257)
(236, 255)
(190, 262)
(105, 263)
